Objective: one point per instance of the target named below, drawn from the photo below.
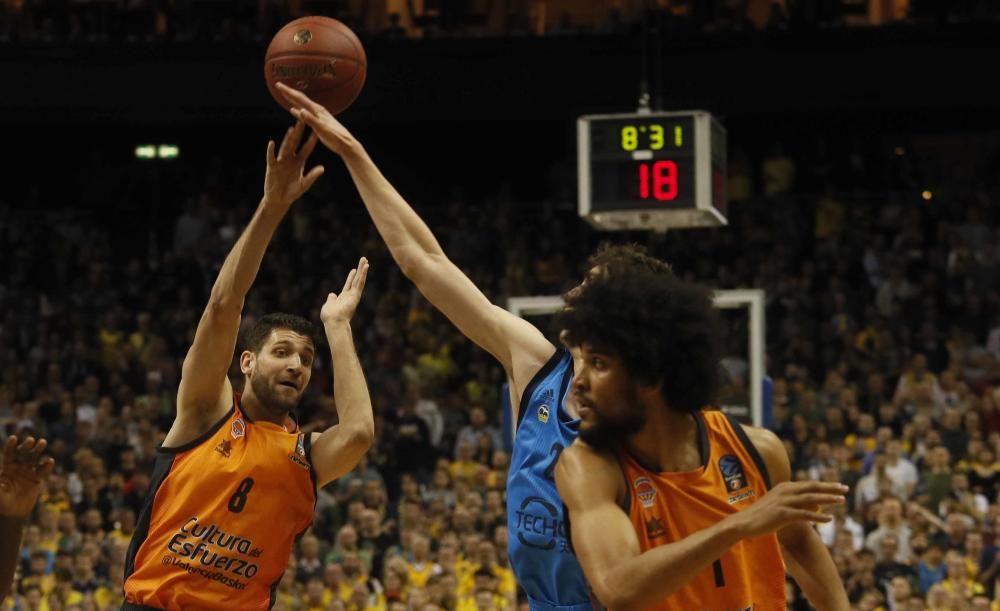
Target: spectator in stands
(886, 566)
(957, 579)
(900, 593)
(310, 565)
(413, 446)
(936, 478)
(96, 388)
(891, 522)
(900, 471)
(473, 433)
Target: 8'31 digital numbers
(630, 136)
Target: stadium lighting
(145, 151)
(168, 151)
(157, 151)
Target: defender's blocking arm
(518, 345)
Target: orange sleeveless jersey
(221, 517)
(666, 507)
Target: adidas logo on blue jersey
(547, 396)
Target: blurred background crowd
(883, 343)
(143, 21)
(875, 235)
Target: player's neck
(668, 442)
(256, 411)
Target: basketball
(319, 56)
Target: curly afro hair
(664, 329)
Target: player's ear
(247, 360)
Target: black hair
(261, 330)
(664, 329)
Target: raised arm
(591, 485)
(518, 345)
(204, 393)
(808, 560)
(338, 449)
(22, 469)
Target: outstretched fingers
(819, 500)
(299, 99)
(362, 276)
(349, 283)
(290, 144)
(34, 454)
(308, 117)
(311, 177)
(7, 455)
(271, 159)
(24, 450)
(309, 146)
(809, 516)
(45, 466)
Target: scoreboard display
(651, 170)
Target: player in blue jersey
(539, 375)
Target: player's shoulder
(771, 450)
(547, 365)
(762, 439)
(541, 380)
(585, 471)
(766, 442)
(193, 421)
(582, 453)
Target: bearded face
(280, 371)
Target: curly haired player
(671, 505)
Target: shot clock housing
(655, 170)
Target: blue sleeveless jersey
(539, 548)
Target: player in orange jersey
(235, 481)
(671, 506)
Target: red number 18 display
(664, 180)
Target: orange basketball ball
(319, 56)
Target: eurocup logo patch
(298, 456)
(732, 473)
(239, 428)
(543, 414)
(645, 490)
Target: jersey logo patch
(543, 414)
(654, 528)
(645, 491)
(298, 456)
(540, 525)
(732, 473)
(298, 461)
(239, 428)
(224, 448)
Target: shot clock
(652, 170)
